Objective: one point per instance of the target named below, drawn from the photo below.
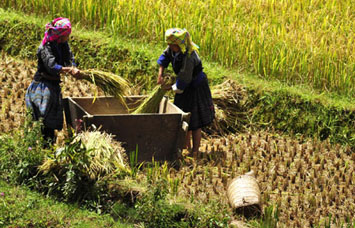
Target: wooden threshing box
(160, 134)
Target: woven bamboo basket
(244, 195)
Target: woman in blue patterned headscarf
(192, 92)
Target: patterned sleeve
(185, 75)
(49, 61)
(165, 59)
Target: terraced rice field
(308, 179)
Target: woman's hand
(76, 73)
(160, 79)
(166, 87)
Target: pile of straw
(111, 84)
(151, 103)
(104, 156)
(229, 99)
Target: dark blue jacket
(51, 58)
(188, 68)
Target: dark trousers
(48, 136)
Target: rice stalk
(229, 99)
(308, 42)
(104, 156)
(110, 83)
(151, 103)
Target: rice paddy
(307, 179)
(311, 182)
(298, 42)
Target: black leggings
(48, 136)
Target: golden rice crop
(295, 41)
(110, 83)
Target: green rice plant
(155, 210)
(152, 102)
(269, 219)
(133, 162)
(174, 184)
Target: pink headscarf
(57, 28)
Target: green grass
(20, 207)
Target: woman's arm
(49, 61)
(53, 67)
(160, 74)
(163, 61)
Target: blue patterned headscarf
(182, 38)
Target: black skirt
(198, 101)
(54, 113)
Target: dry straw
(106, 156)
(229, 99)
(151, 103)
(110, 83)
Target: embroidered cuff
(57, 68)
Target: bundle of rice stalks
(107, 155)
(110, 83)
(95, 153)
(151, 103)
(229, 100)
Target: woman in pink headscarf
(44, 96)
